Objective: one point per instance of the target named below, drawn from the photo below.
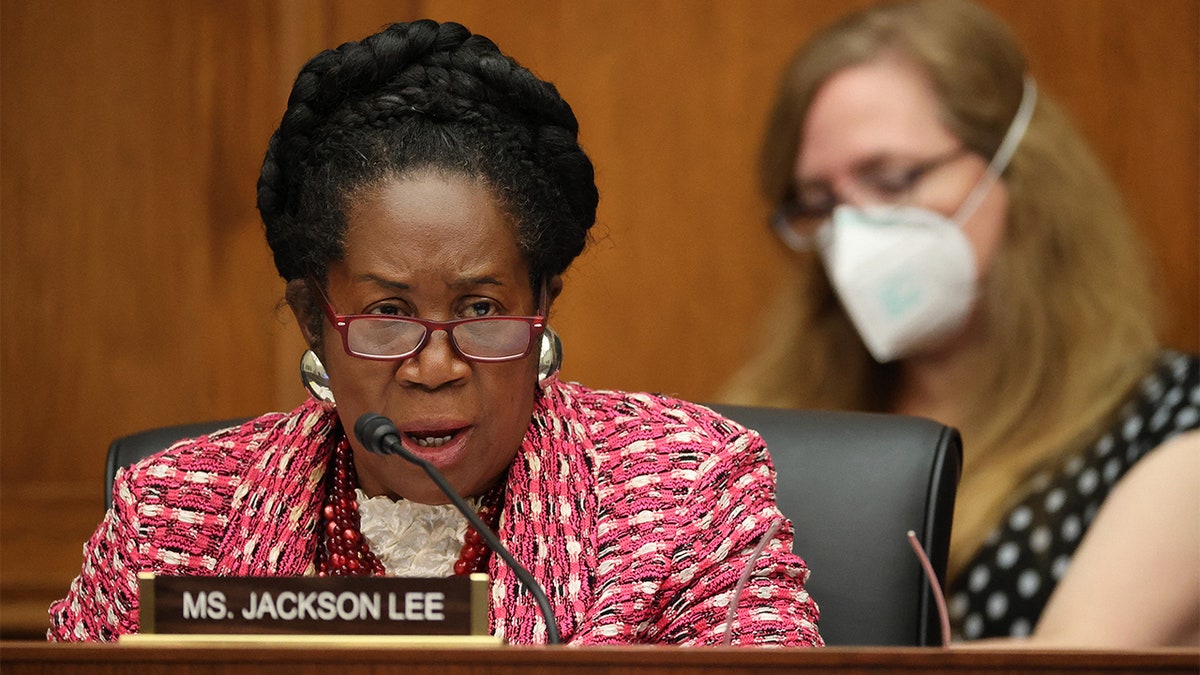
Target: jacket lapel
(273, 513)
(549, 525)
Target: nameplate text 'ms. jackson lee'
(314, 605)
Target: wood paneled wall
(137, 290)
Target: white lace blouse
(411, 539)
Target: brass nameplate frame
(314, 605)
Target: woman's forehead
(444, 226)
(870, 111)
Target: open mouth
(432, 439)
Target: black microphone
(377, 433)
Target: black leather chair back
(853, 485)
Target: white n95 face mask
(907, 275)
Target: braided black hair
(423, 96)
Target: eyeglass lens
(397, 336)
(884, 185)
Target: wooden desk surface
(32, 657)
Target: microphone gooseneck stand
(379, 435)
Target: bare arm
(1135, 579)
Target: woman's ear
(304, 308)
(554, 286)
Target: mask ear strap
(1008, 146)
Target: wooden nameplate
(449, 611)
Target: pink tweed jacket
(637, 513)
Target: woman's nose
(436, 365)
(850, 192)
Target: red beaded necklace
(343, 551)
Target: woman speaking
(422, 197)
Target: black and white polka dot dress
(1003, 590)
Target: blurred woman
(961, 255)
(422, 197)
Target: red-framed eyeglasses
(382, 337)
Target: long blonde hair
(1068, 309)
